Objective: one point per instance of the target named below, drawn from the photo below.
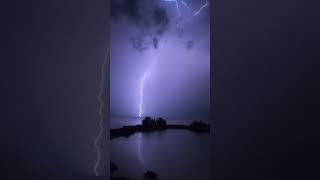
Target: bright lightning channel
(141, 93)
(101, 119)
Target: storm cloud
(150, 19)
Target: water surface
(172, 154)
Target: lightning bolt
(141, 93)
(203, 6)
(140, 115)
(194, 14)
(100, 96)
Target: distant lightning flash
(203, 6)
(101, 123)
(195, 13)
(186, 5)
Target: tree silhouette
(161, 123)
(146, 121)
(150, 175)
(149, 122)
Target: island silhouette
(152, 124)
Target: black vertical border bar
(107, 90)
(212, 84)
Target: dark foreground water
(172, 154)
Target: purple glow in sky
(157, 67)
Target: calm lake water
(172, 154)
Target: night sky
(169, 43)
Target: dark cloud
(126, 8)
(160, 19)
(138, 43)
(151, 21)
(155, 43)
(189, 45)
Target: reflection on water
(172, 154)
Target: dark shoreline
(127, 131)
